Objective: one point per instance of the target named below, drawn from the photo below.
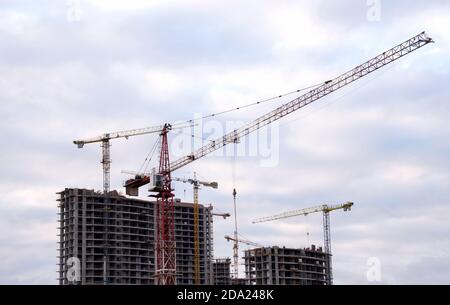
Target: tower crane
(243, 241)
(326, 209)
(211, 233)
(106, 162)
(237, 240)
(105, 139)
(160, 182)
(223, 215)
(196, 186)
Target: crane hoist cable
(143, 168)
(216, 114)
(193, 136)
(339, 98)
(280, 96)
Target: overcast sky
(74, 69)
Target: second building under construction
(221, 271)
(286, 266)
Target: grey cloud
(61, 81)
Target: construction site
(120, 239)
(114, 236)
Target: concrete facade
(113, 237)
(221, 271)
(285, 266)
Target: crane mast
(211, 233)
(196, 239)
(327, 245)
(236, 240)
(313, 95)
(326, 209)
(196, 186)
(165, 245)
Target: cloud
(134, 5)
(382, 142)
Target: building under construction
(286, 266)
(113, 237)
(221, 271)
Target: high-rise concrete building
(285, 266)
(221, 271)
(112, 237)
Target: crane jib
(311, 96)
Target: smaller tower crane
(196, 186)
(243, 241)
(104, 139)
(223, 215)
(237, 240)
(211, 233)
(326, 209)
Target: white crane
(105, 138)
(211, 233)
(243, 241)
(326, 209)
(236, 240)
(223, 215)
(196, 186)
